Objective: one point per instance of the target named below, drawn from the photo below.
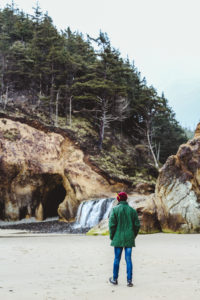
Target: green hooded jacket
(124, 225)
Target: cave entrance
(2, 211)
(54, 194)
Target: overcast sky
(161, 36)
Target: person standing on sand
(124, 226)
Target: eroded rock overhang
(43, 174)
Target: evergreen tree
(102, 85)
(19, 66)
(67, 75)
(168, 134)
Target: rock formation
(175, 206)
(147, 212)
(44, 172)
(177, 194)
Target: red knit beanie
(122, 196)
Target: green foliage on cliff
(85, 86)
(11, 135)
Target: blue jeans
(129, 266)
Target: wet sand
(67, 267)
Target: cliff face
(175, 206)
(177, 195)
(42, 174)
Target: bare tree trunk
(6, 98)
(151, 149)
(158, 152)
(102, 129)
(66, 111)
(50, 104)
(57, 102)
(105, 119)
(70, 111)
(40, 84)
(40, 92)
(2, 74)
(51, 99)
(121, 111)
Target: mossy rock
(12, 135)
(170, 231)
(94, 231)
(100, 229)
(149, 231)
(178, 231)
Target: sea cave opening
(54, 195)
(2, 208)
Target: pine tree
(66, 75)
(19, 66)
(102, 85)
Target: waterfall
(90, 213)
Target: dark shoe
(129, 283)
(113, 281)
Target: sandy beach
(67, 267)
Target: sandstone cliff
(42, 173)
(177, 194)
(175, 206)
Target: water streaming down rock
(90, 213)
